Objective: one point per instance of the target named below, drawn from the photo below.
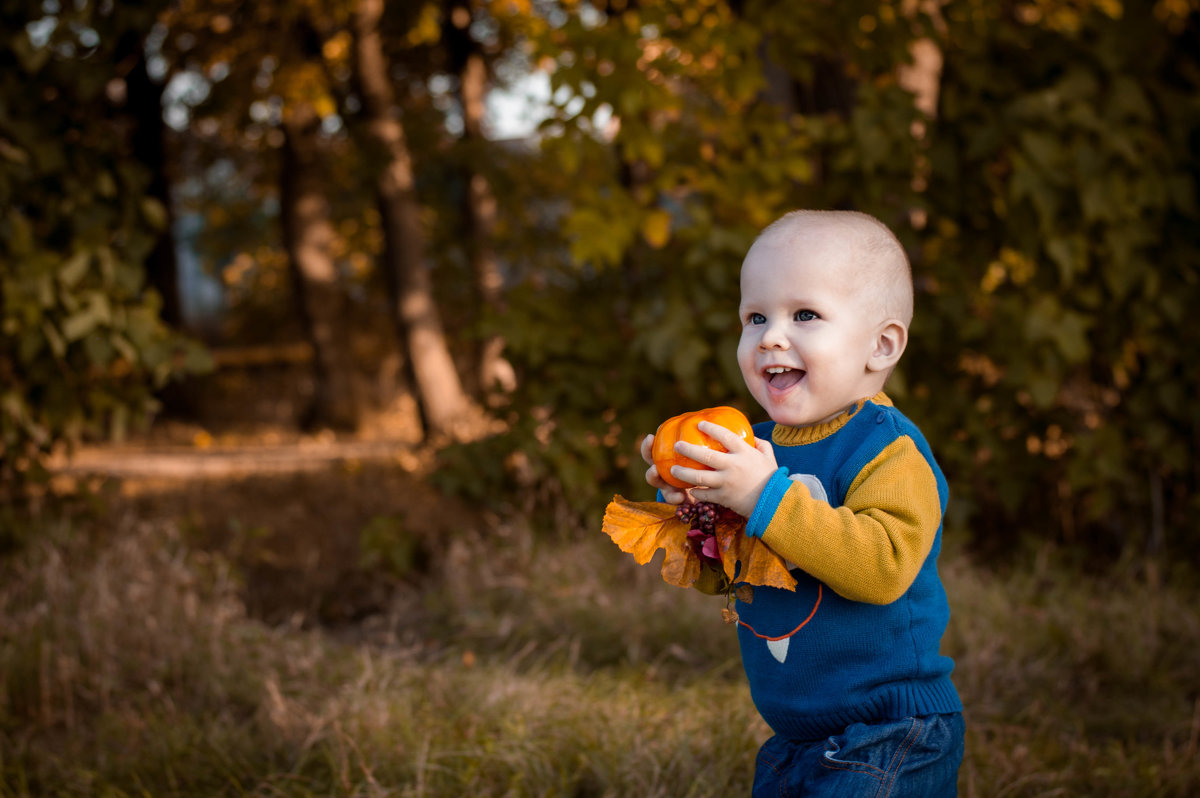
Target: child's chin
(786, 419)
(794, 419)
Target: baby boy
(846, 669)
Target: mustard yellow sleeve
(871, 548)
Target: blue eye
(756, 318)
(805, 315)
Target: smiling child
(846, 669)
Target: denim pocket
(916, 757)
(909, 758)
(872, 748)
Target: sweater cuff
(768, 503)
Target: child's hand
(670, 494)
(737, 477)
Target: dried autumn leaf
(642, 528)
(759, 564)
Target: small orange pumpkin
(683, 428)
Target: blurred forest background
(498, 241)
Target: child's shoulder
(879, 411)
(878, 425)
(887, 429)
(896, 424)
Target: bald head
(874, 260)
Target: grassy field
(136, 660)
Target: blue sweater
(856, 506)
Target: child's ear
(890, 340)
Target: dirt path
(292, 516)
(166, 462)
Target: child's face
(808, 329)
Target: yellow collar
(798, 436)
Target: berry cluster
(701, 515)
(705, 515)
(703, 518)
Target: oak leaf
(642, 528)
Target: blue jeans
(910, 758)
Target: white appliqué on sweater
(813, 484)
(779, 648)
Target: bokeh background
(330, 327)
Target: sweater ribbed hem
(890, 702)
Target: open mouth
(781, 377)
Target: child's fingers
(672, 496)
(722, 435)
(701, 454)
(646, 448)
(701, 478)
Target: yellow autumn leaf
(642, 528)
(428, 29)
(337, 47)
(656, 228)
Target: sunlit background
(330, 328)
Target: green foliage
(1050, 206)
(82, 345)
(1059, 260)
(387, 545)
(629, 315)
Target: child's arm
(872, 547)
(869, 549)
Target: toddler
(846, 670)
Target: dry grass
(130, 666)
(1077, 684)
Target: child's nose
(773, 337)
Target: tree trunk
(141, 102)
(144, 103)
(444, 404)
(495, 373)
(308, 237)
